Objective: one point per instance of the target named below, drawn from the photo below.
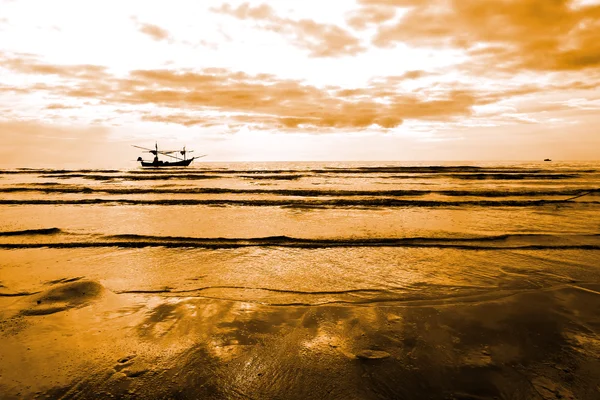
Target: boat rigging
(174, 154)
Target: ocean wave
(198, 172)
(45, 231)
(288, 177)
(447, 169)
(261, 176)
(371, 170)
(506, 241)
(59, 188)
(299, 203)
(149, 177)
(273, 290)
(54, 171)
(514, 176)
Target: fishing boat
(174, 154)
(547, 159)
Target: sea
(353, 248)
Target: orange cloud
(176, 118)
(155, 32)
(56, 106)
(371, 15)
(217, 96)
(285, 103)
(321, 40)
(28, 64)
(270, 101)
(531, 34)
(13, 89)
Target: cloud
(515, 34)
(321, 40)
(271, 102)
(283, 104)
(12, 89)
(56, 106)
(29, 64)
(406, 76)
(177, 118)
(155, 32)
(371, 15)
(216, 96)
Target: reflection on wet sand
(540, 343)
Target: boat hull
(162, 164)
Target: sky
(299, 80)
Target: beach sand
(77, 339)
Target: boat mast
(156, 152)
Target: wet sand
(77, 339)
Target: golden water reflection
(150, 346)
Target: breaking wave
(283, 176)
(47, 231)
(58, 188)
(507, 241)
(299, 203)
(148, 177)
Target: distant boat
(547, 159)
(180, 162)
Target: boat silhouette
(179, 162)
